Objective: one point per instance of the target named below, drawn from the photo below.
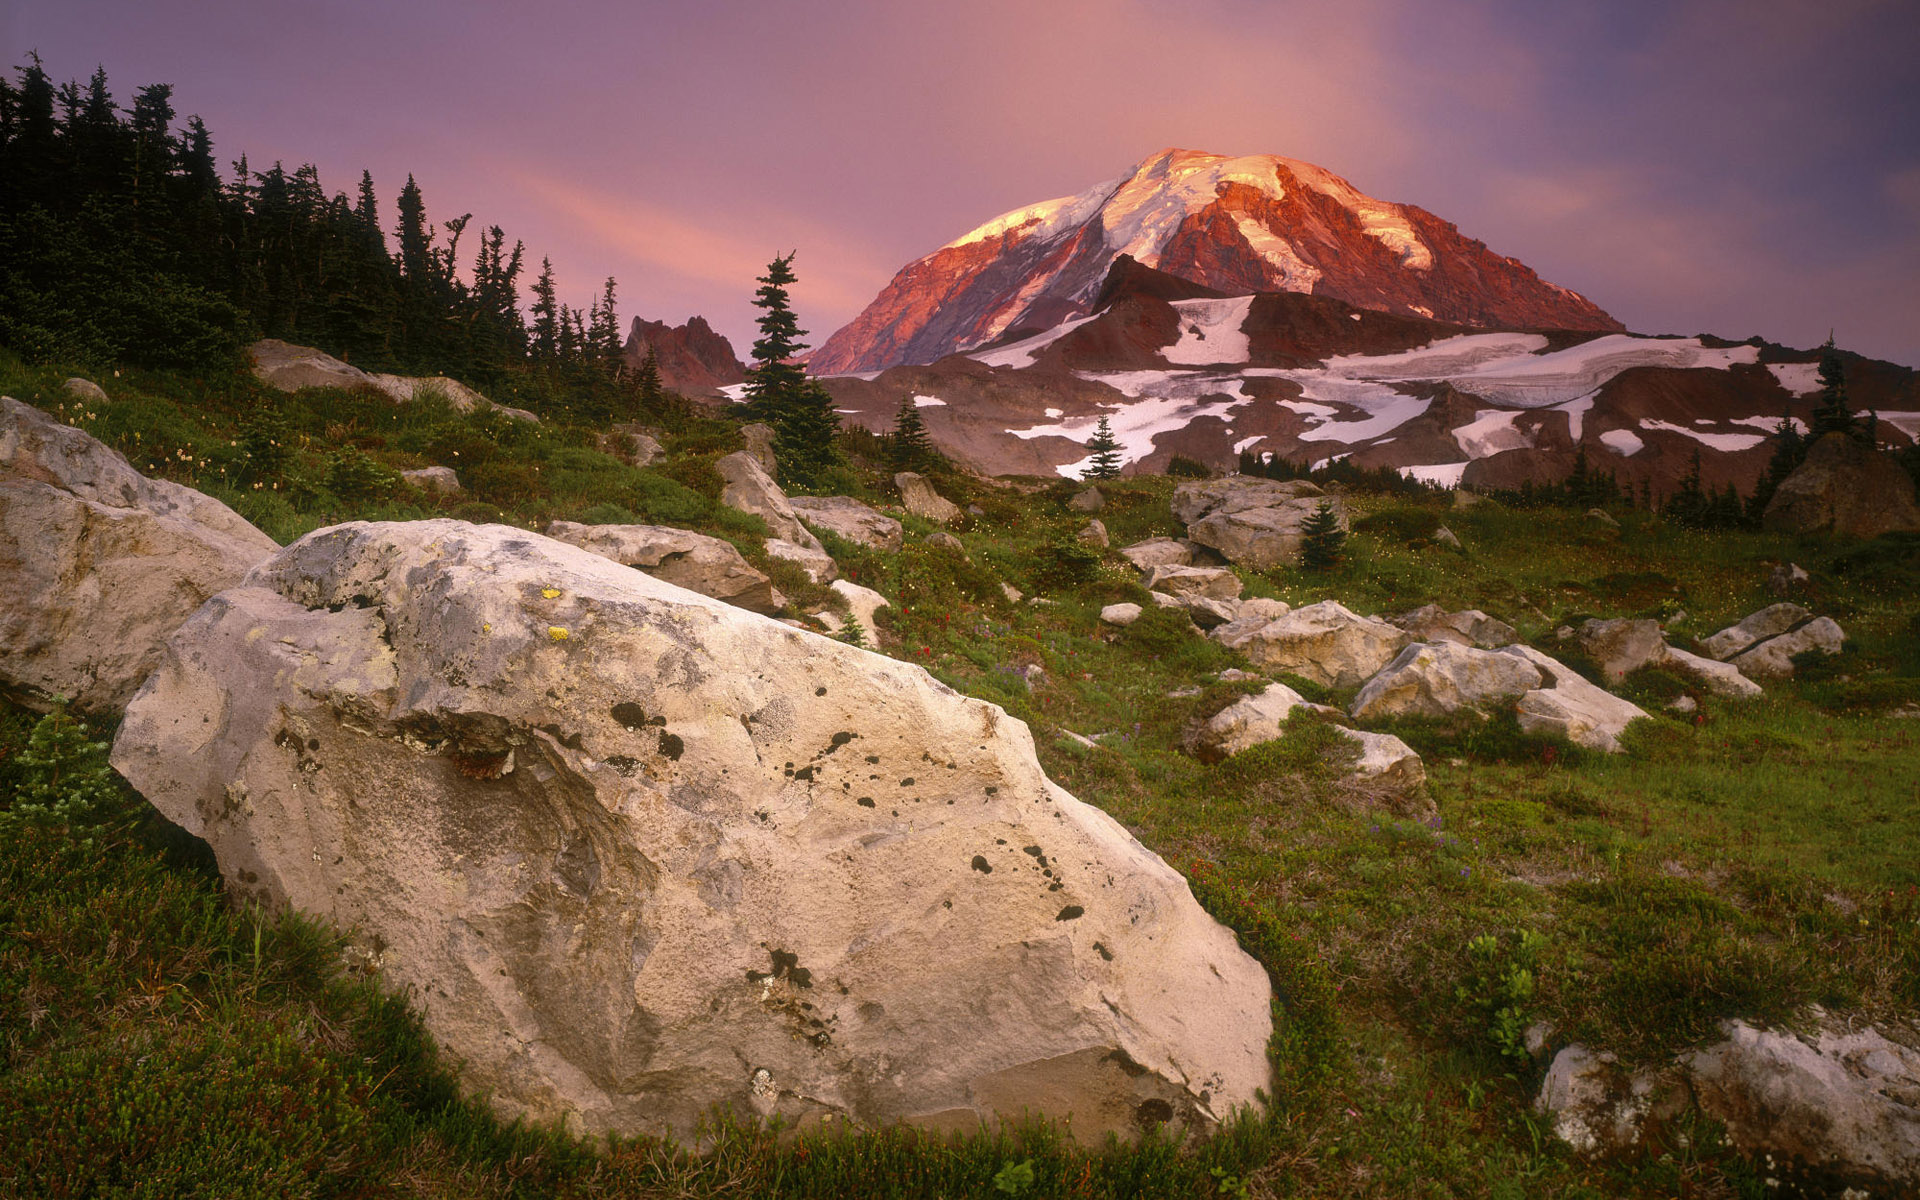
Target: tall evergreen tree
(545, 331)
(647, 381)
(778, 390)
(1832, 414)
(414, 237)
(1323, 543)
(1105, 451)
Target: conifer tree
(909, 447)
(545, 333)
(647, 382)
(1832, 414)
(1105, 451)
(778, 390)
(1323, 542)
(1789, 451)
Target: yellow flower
(550, 593)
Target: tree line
(122, 241)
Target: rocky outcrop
(1434, 679)
(1094, 534)
(1158, 552)
(1835, 1100)
(289, 368)
(1764, 643)
(748, 488)
(1596, 1105)
(1384, 761)
(1253, 522)
(1471, 627)
(1327, 643)
(758, 437)
(692, 359)
(1216, 583)
(437, 481)
(98, 563)
(1232, 226)
(681, 557)
(1721, 679)
(1844, 487)
(843, 516)
(1624, 646)
(1568, 706)
(633, 853)
(919, 498)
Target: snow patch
(1020, 353)
(1438, 359)
(1210, 332)
(1245, 444)
(1770, 423)
(1906, 422)
(1730, 442)
(928, 402)
(1576, 410)
(1543, 380)
(1047, 217)
(1296, 273)
(1443, 474)
(1800, 379)
(1490, 432)
(735, 392)
(1623, 442)
(1134, 425)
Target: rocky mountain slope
(694, 360)
(1259, 223)
(1179, 368)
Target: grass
(1744, 860)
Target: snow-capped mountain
(1236, 226)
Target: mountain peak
(1233, 224)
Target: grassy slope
(1750, 860)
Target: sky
(1734, 167)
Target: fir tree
(909, 447)
(544, 337)
(1690, 504)
(1105, 451)
(1832, 414)
(778, 390)
(1323, 542)
(647, 382)
(1789, 451)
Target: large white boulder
(746, 486)
(1469, 627)
(862, 602)
(1254, 522)
(846, 517)
(1433, 679)
(633, 853)
(98, 563)
(1215, 583)
(1722, 679)
(1773, 657)
(1325, 642)
(682, 557)
(1623, 646)
(1771, 621)
(1570, 707)
(1158, 552)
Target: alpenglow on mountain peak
(1238, 225)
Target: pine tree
(909, 447)
(544, 337)
(1832, 414)
(1323, 542)
(647, 382)
(1105, 451)
(1789, 451)
(1689, 506)
(778, 390)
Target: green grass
(1746, 860)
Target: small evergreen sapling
(1105, 449)
(910, 447)
(1323, 544)
(64, 780)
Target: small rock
(85, 390)
(1683, 704)
(1095, 534)
(1623, 647)
(1536, 1038)
(1594, 1104)
(440, 481)
(1252, 614)
(1771, 621)
(1386, 761)
(1184, 693)
(945, 541)
(1218, 583)
(1568, 706)
(1236, 675)
(1563, 633)
(1089, 501)
(632, 445)
(1446, 537)
(1600, 516)
(751, 489)
(1433, 679)
(1013, 594)
(759, 440)
(863, 602)
(1788, 579)
(1722, 679)
(1120, 614)
(1471, 627)
(817, 563)
(922, 501)
(1206, 612)
(1158, 552)
(976, 510)
(1079, 739)
(1327, 643)
(1773, 658)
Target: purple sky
(1724, 166)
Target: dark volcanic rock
(1845, 487)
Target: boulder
(1773, 658)
(1386, 762)
(1089, 501)
(458, 396)
(628, 852)
(1252, 614)
(438, 481)
(1624, 646)
(1253, 522)
(1120, 614)
(1217, 583)
(84, 390)
(1446, 537)
(1433, 679)
(750, 489)
(1594, 1104)
(1471, 627)
(845, 517)
(759, 440)
(862, 602)
(1771, 621)
(919, 498)
(1840, 1101)
(1844, 487)
(1604, 519)
(681, 557)
(1206, 612)
(1325, 642)
(1789, 579)
(632, 445)
(1570, 707)
(1158, 552)
(817, 563)
(1722, 679)
(945, 541)
(98, 563)
(1095, 534)
(1247, 722)
(1235, 493)
(289, 368)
